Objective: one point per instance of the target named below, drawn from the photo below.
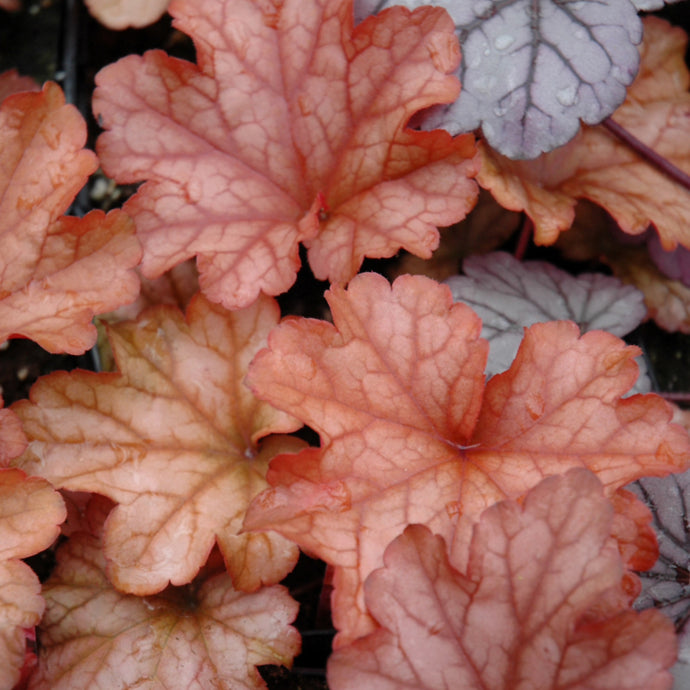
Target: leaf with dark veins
(509, 295)
(667, 585)
(531, 70)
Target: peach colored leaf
(120, 14)
(597, 166)
(11, 82)
(12, 438)
(485, 229)
(55, 273)
(176, 286)
(205, 635)
(290, 129)
(410, 434)
(667, 300)
(30, 514)
(174, 439)
(519, 617)
(21, 608)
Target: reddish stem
(323, 612)
(650, 155)
(526, 232)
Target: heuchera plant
(467, 486)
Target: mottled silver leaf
(509, 295)
(667, 585)
(532, 69)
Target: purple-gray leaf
(674, 264)
(667, 585)
(509, 295)
(532, 69)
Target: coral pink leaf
(244, 160)
(55, 273)
(597, 166)
(410, 434)
(174, 438)
(120, 14)
(206, 635)
(523, 615)
(12, 438)
(21, 608)
(30, 514)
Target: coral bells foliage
(30, 514)
(411, 433)
(174, 439)
(476, 527)
(47, 289)
(541, 575)
(242, 161)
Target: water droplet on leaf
(504, 41)
(567, 96)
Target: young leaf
(121, 14)
(532, 70)
(55, 273)
(521, 616)
(205, 635)
(597, 166)
(174, 439)
(410, 434)
(243, 160)
(508, 295)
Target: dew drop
(504, 41)
(567, 96)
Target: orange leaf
(30, 512)
(409, 434)
(174, 439)
(12, 439)
(244, 160)
(206, 635)
(21, 608)
(520, 616)
(597, 166)
(56, 272)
